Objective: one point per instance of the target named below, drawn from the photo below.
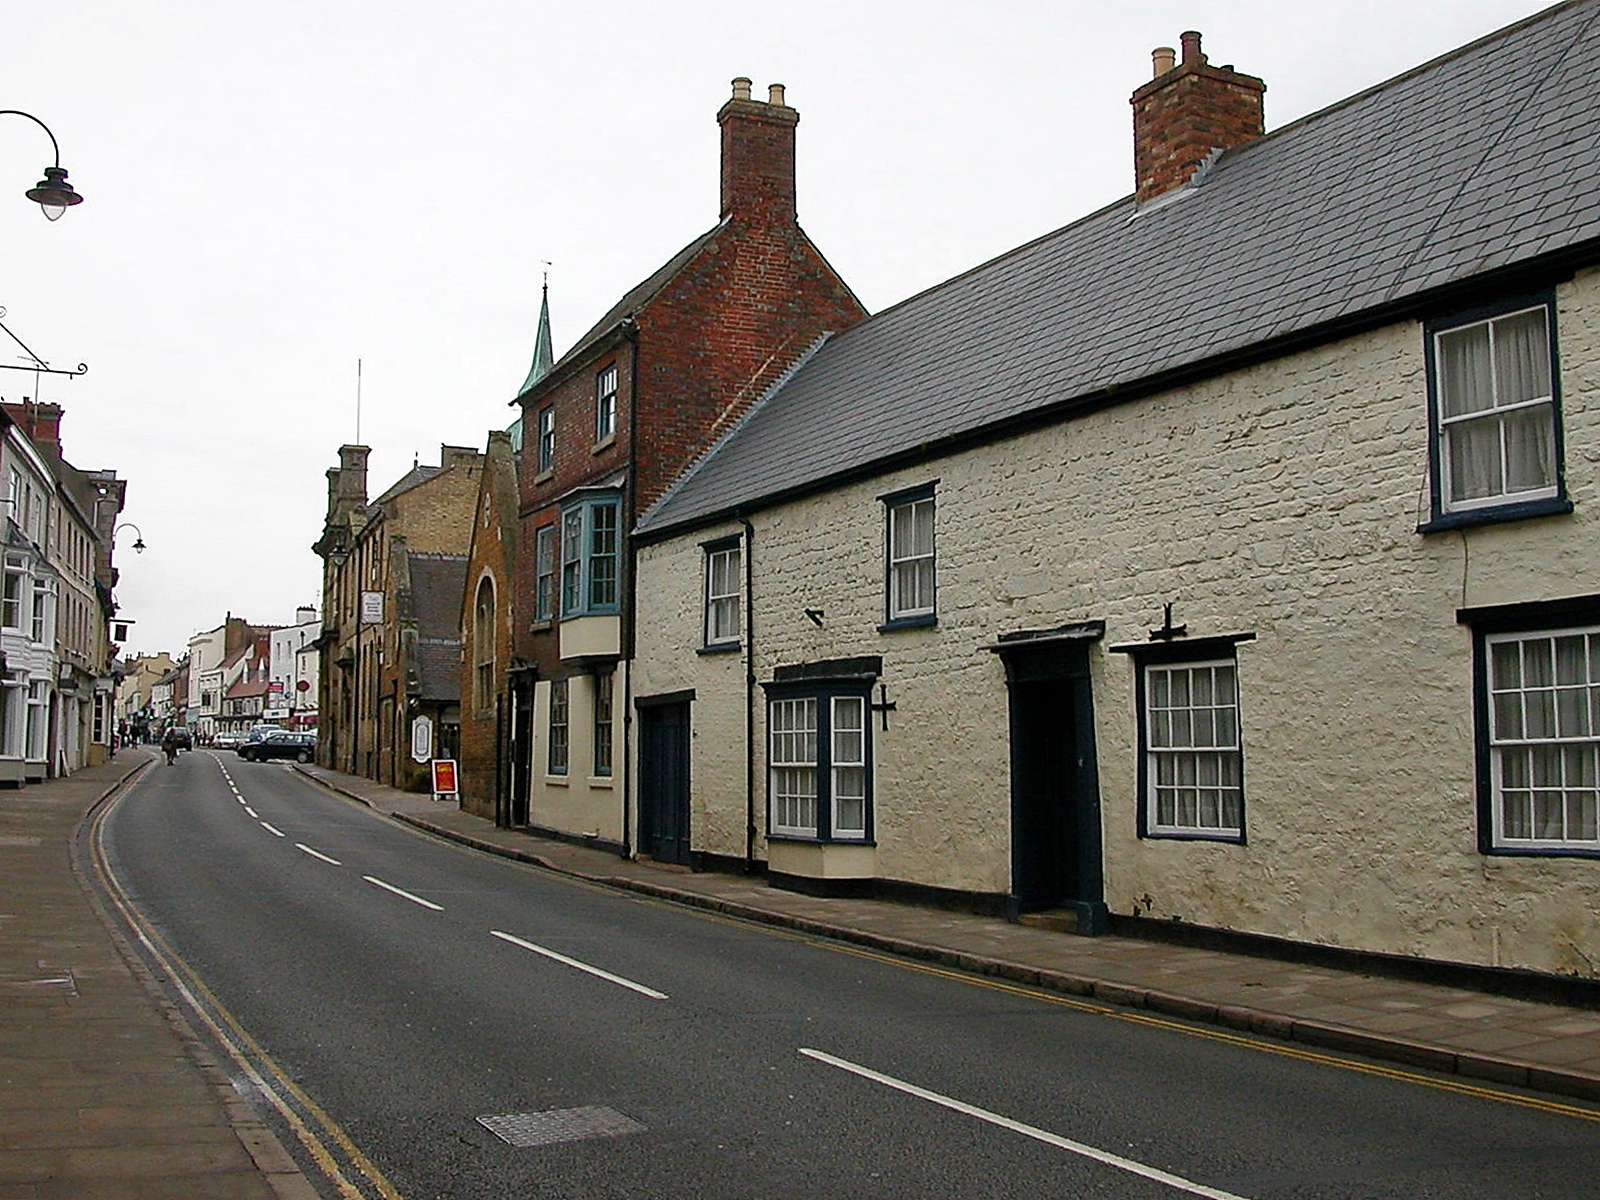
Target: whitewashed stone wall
(1281, 500)
(578, 803)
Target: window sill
(604, 443)
(721, 648)
(920, 621)
(557, 781)
(541, 626)
(1225, 837)
(602, 781)
(812, 840)
(1555, 506)
(545, 476)
(1504, 851)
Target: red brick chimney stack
(41, 422)
(1188, 110)
(758, 155)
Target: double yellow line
(328, 1146)
(1457, 1087)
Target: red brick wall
(1182, 115)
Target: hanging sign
(372, 608)
(421, 739)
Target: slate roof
(1484, 159)
(438, 582)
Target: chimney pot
(1189, 111)
(741, 88)
(775, 93)
(758, 156)
(1164, 58)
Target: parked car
(281, 743)
(225, 741)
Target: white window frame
(545, 448)
(603, 730)
(910, 554)
(559, 744)
(1191, 749)
(544, 574)
(724, 564)
(819, 764)
(605, 404)
(14, 593)
(1543, 736)
(1450, 429)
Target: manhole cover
(560, 1125)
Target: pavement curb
(265, 1148)
(1322, 1035)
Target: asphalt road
(388, 992)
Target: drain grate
(560, 1125)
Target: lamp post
(138, 535)
(53, 194)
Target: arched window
(483, 645)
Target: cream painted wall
(1282, 500)
(578, 803)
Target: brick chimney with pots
(1189, 110)
(758, 155)
(41, 422)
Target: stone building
(1219, 565)
(393, 569)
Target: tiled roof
(1483, 159)
(439, 665)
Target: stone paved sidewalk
(104, 1089)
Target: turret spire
(543, 352)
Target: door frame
(1061, 656)
(649, 708)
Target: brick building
(494, 756)
(1220, 565)
(393, 569)
(606, 429)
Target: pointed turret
(543, 353)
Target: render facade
(1228, 569)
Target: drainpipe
(630, 330)
(749, 697)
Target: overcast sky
(276, 190)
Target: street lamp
(138, 544)
(53, 193)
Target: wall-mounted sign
(421, 739)
(372, 608)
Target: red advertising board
(444, 777)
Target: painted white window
(547, 439)
(39, 622)
(722, 594)
(911, 563)
(819, 777)
(602, 725)
(794, 766)
(544, 573)
(483, 645)
(558, 740)
(605, 404)
(849, 738)
(1193, 763)
(13, 594)
(1544, 739)
(1495, 411)
(38, 719)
